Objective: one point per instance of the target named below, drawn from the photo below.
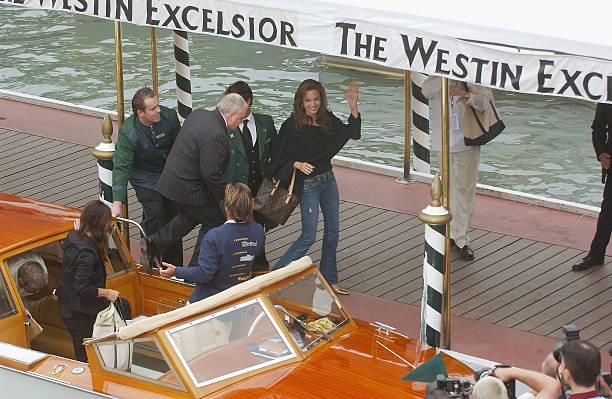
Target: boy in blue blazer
(226, 252)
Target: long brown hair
(299, 113)
(95, 217)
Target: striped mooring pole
(436, 218)
(183, 74)
(420, 124)
(104, 154)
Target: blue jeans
(319, 190)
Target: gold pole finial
(107, 129)
(105, 149)
(436, 191)
(435, 214)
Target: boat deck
(519, 290)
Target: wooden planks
(512, 282)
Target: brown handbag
(274, 202)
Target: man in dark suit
(603, 148)
(250, 151)
(193, 176)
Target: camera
(607, 377)
(571, 333)
(454, 387)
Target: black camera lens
(557, 352)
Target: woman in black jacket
(81, 291)
(307, 142)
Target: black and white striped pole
(183, 74)
(420, 125)
(104, 154)
(436, 218)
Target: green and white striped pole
(183, 74)
(104, 152)
(421, 139)
(436, 218)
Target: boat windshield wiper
(304, 325)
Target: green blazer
(237, 170)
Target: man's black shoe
(466, 252)
(587, 262)
(152, 253)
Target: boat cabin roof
(28, 220)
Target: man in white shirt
(463, 159)
(29, 273)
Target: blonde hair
(489, 388)
(239, 202)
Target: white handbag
(114, 355)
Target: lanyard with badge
(453, 116)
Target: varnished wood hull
(360, 361)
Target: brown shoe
(339, 290)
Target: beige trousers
(463, 176)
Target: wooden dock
(514, 282)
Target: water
(546, 147)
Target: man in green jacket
(143, 143)
(250, 151)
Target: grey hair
(231, 103)
(33, 273)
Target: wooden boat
(284, 334)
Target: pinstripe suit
(193, 178)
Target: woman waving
(307, 142)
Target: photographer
(545, 386)
(579, 369)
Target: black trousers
(188, 217)
(158, 211)
(80, 326)
(604, 223)
(260, 262)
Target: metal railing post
(125, 228)
(406, 179)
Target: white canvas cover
(559, 49)
(241, 290)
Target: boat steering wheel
(259, 317)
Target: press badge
(453, 121)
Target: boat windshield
(230, 342)
(139, 358)
(308, 309)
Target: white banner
(323, 29)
